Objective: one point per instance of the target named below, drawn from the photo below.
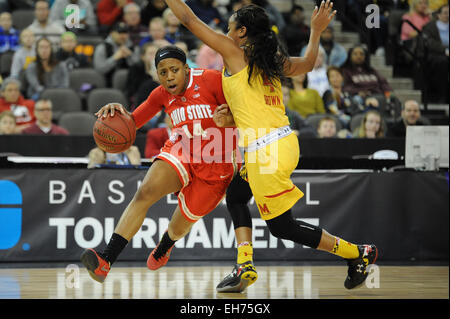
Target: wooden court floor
(198, 282)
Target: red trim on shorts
(279, 194)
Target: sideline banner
(54, 214)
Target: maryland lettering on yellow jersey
(257, 106)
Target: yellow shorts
(269, 172)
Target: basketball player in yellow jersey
(254, 62)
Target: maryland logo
(263, 209)
(266, 82)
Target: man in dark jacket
(116, 52)
(410, 116)
(296, 33)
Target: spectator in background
(317, 77)
(87, 23)
(141, 72)
(12, 100)
(110, 12)
(132, 18)
(295, 34)
(157, 32)
(131, 156)
(116, 52)
(335, 54)
(360, 79)
(156, 137)
(7, 123)
(207, 12)
(371, 126)
(183, 46)
(232, 7)
(153, 8)
(9, 37)
(419, 15)
(223, 7)
(303, 100)
(44, 125)
(326, 127)
(338, 102)
(25, 55)
(376, 37)
(410, 116)
(42, 26)
(173, 33)
(46, 72)
(437, 32)
(298, 125)
(207, 58)
(67, 52)
(274, 15)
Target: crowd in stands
(344, 94)
(412, 34)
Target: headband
(170, 52)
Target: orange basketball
(114, 134)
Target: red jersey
(23, 110)
(192, 116)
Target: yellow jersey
(257, 107)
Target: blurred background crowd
(379, 68)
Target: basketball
(114, 134)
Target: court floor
(199, 282)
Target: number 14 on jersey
(197, 130)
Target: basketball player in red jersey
(185, 165)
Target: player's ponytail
(263, 50)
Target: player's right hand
(110, 108)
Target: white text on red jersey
(191, 112)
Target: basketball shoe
(157, 260)
(357, 273)
(242, 276)
(97, 267)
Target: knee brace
(285, 227)
(237, 198)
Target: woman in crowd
(303, 100)
(46, 72)
(371, 126)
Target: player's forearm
(182, 11)
(312, 50)
(305, 64)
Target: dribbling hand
(110, 109)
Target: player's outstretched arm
(320, 19)
(215, 40)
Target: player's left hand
(322, 16)
(222, 116)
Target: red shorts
(204, 184)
